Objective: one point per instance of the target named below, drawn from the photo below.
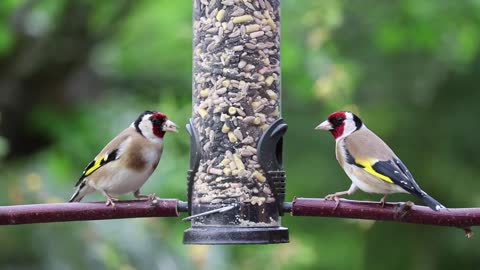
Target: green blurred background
(73, 73)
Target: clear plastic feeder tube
(236, 102)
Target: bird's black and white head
(341, 124)
(153, 125)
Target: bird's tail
(82, 190)
(430, 201)
(76, 196)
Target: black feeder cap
(235, 235)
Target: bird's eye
(337, 121)
(157, 121)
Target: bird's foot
(334, 197)
(152, 198)
(383, 200)
(331, 197)
(110, 201)
(403, 209)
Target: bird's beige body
(137, 158)
(364, 144)
(368, 161)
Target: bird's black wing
(98, 163)
(399, 174)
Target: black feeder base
(216, 235)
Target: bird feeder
(236, 181)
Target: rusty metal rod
(60, 212)
(399, 212)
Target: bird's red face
(154, 124)
(158, 119)
(161, 124)
(335, 124)
(341, 124)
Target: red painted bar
(60, 212)
(455, 217)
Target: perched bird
(128, 160)
(368, 161)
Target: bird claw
(111, 201)
(383, 200)
(333, 197)
(330, 197)
(152, 198)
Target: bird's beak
(170, 126)
(325, 125)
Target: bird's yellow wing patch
(97, 163)
(367, 166)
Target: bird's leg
(383, 200)
(140, 196)
(110, 199)
(150, 197)
(336, 196)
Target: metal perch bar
(60, 212)
(454, 217)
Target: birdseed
(236, 96)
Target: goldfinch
(368, 161)
(127, 161)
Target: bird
(369, 162)
(127, 161)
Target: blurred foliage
(409, 68)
